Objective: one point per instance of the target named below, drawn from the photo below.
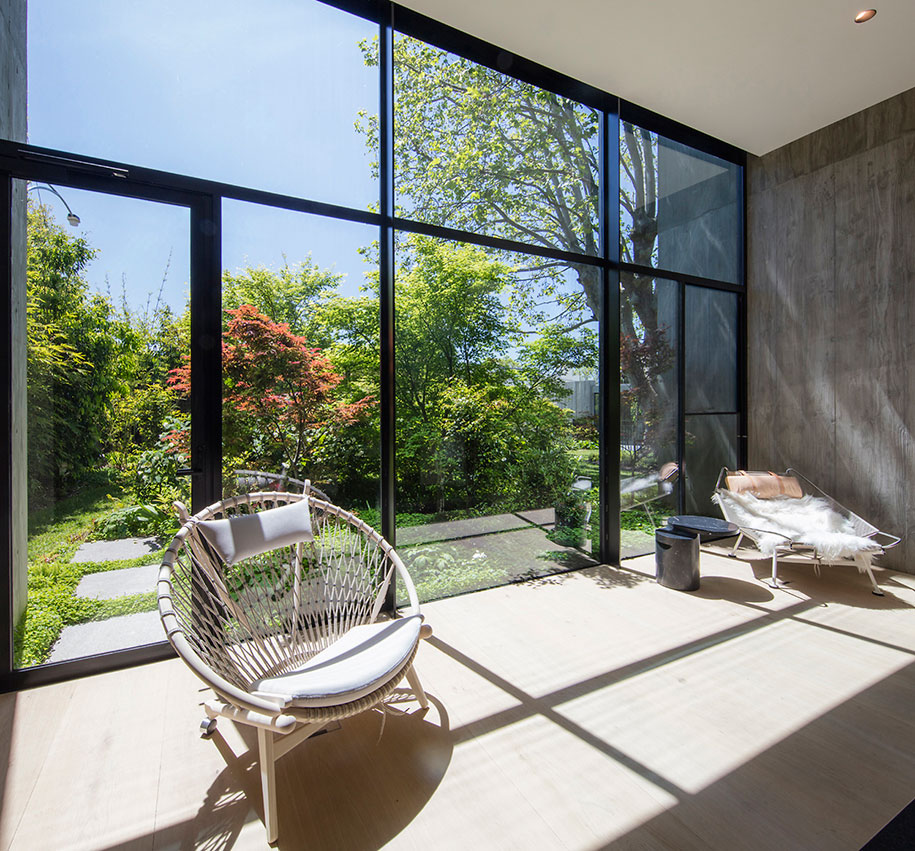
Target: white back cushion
(237, 538)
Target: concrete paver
(117, 583)
(115, 550)
(89, 639)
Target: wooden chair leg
(417, 686)
(265, 740)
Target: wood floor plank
(591, 710)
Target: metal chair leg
(774, 581)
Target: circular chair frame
(198, 611)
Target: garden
(489, 346)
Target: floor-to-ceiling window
(174, 356)
(496, 348)
(681, 253)
(388, 261)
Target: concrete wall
(697, 212)
(13, 96)
(13, 69)
(831, 289)
(580, 398)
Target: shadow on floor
(767, 801)
(733, 590)
(850, 588)
(7, 719)
(352, 807)
(608, 577)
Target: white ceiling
(755, 73)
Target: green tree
(292, 295)
(451, 323)
(74, 368)
(483, 151)
(278, 395)
(480, 422)
(480, 150)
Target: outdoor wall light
(72, 218)
(865, 15)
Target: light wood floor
(592, 710)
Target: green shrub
(637, 520)
(138, 417)
(370, 515)
(156, 470)
(134, 521)
(568, 536)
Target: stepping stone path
(89, 639)
(119, 633)
(115, 550)
(116, 583)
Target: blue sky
(260, 94)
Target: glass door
(104, 416)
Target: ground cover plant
(57, 533)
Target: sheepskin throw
(810, 521)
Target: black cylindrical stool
(676, 559)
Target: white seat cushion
(357, 664)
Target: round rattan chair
(273, 600)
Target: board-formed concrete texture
(14, 126)
(13, 70)
(831, 301)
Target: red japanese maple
(278, 392)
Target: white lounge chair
(788, 516)
(273, 600)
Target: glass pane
(300, 355)
(649, 309)
(497, 452)
(711, 443)
(679, 207)
(710, 349)
(478, 150)
(263, 94)
(107, 328)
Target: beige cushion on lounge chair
(355, 665)
(764, 485)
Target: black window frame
(204, 197)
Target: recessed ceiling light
(865, 15)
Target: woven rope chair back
(270, 613)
